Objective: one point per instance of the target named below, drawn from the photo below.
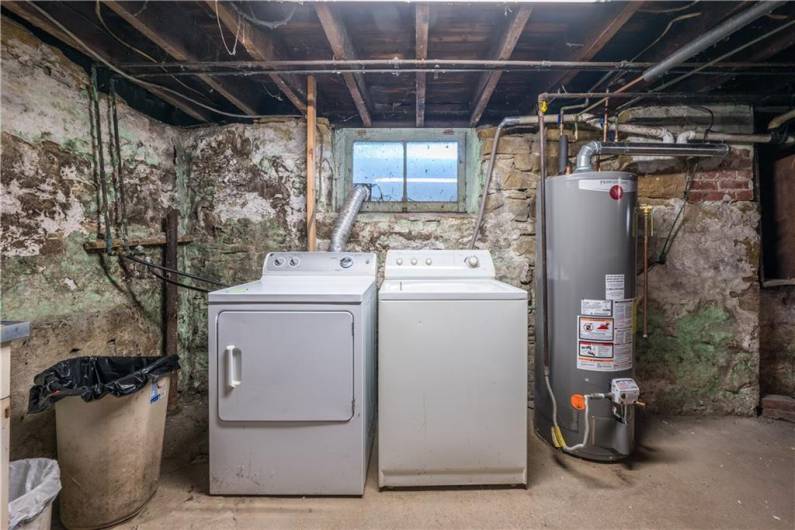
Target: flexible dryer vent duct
(346, 217)
(594, 148)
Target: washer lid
(450, 289)
(296, 288)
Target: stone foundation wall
(240, 191)
(78, 303)
(777, 340)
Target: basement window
(407, 170)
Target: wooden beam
(22, 10)
(259, 46)
(595, 41)
(421, 22)
(342, 46)
(99, 245)
(146, 24)
(311, 125)
(488, 80)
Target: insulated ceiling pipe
(594, 148)
(711, 37)
(346, 217)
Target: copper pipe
(647, 228)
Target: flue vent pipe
(346, 217)
(711, 37)
(594, 148)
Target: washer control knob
(346, 262)
(472, 261)
(278, 261)
(399, 261)
(413, 261)
(294, 261)
(428, 261)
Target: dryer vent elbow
(350, 209)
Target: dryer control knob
(346, 262)
(472, 261)
(399, 261)
(428, 261)
(278, 262)
(413, 261)
(294, 261)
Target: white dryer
(292, 377)
(452, 397)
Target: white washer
(292, 377)
(452, 372)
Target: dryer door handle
(231, 382)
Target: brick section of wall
(732, 181)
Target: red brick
(701, 196)
(704, 185)
(742, 195)
(734, 184)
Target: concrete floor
(688, 473)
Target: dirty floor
(688, 473)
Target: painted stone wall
(240, 190)
(78, 303)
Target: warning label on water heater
(593, 328)
(614, 286)
(596, 308)
(606, 184)
(603, 357)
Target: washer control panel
(348, 263)
(438, 264)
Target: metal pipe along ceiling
(711, 37)
(592, 149)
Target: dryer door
(285, 365)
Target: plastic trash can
(33, 485)
(109, 448)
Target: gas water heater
(585, 394)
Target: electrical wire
(170, 270)
(671, 10)
(127, 76)
(264, 23)
(669, 239)
(233, 51)
(178, 284)
(98, 12)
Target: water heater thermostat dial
(346, 262)
(472, 261)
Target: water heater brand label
(614, 286)
(606, 185)
(592, 328)
(596, 308)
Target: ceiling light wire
(233, 51)
(127, 76)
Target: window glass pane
(379, 164)
(432, 171)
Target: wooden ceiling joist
(342, 47)
(24, 11)
(488, 80)
(260, 47)
(421, 21)
(143, 23)
(594, 43)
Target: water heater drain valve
(624, 391)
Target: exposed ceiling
(124, 33)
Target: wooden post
(170, 304)
(311, 124)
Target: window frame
(345, 154)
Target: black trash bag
(93, 377)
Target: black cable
(674, 228)
(178, 284)
(172, 271)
